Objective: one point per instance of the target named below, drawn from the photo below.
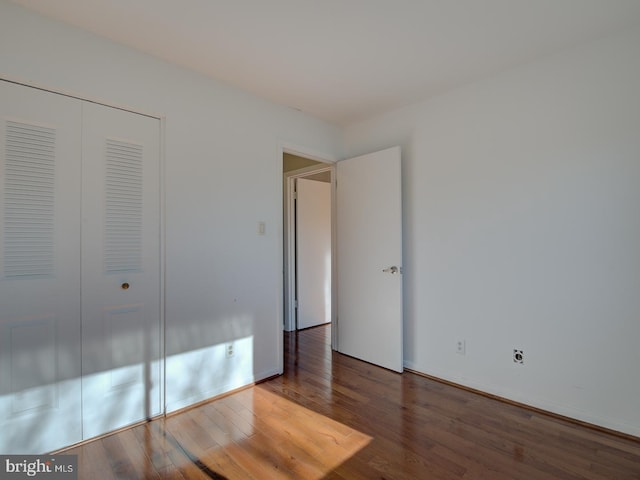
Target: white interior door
(369, 228)
(313, 247)
(40, 389)
(120, 269)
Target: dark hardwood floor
(333, 417)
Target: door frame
(284, 280)
(290, 227)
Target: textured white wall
(522, 230)
(223, 176)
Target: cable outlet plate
(518, 356)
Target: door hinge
(295, 304)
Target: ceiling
(345, 60)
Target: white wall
(522, 230)
(223, 176)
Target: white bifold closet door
(120, 269)
(40, 387)
(79, 269)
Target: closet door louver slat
(29, 192)
(123, 208)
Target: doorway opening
(309, 239)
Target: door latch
(392, 270)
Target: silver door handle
(393, 269)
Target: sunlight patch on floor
(267, 436)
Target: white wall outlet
(461, 347)
(229, 350)
(518, 356)
(262, 228)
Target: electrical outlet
(461, 347)
(229, 350)
(518, 356)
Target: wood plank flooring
(333, 417)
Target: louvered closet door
(40, 395)
(120, 269)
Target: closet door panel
(40, 385)
(120, 269)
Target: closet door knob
(125, 286)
